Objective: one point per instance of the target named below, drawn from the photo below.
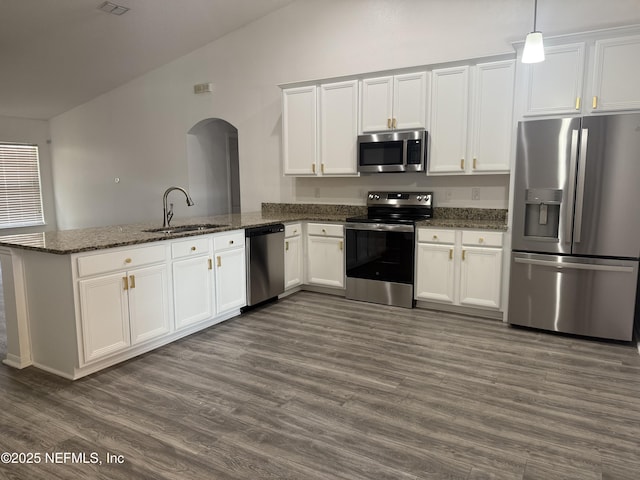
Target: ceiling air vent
(113, 8)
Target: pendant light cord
(535, 14)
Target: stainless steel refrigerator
(576, 226)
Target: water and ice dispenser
(542, 215)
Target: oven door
(380, 252)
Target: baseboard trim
(15, 361)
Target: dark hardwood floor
(317, 387)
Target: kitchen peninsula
(78, 301)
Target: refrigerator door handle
(574, 266)
(577, 228)
(572, 185)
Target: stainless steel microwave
(399, 151)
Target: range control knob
(371, 196)
(427, 198)
(419, 198)
(377, 197)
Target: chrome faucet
(168, 213)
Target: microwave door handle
(573, 160)
(582, 163)
(405, 159)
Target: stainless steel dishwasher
(265, 263)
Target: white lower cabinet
(231, 285)
(459, 267)
(325, 255)
(192, 290)
(124, 308)
(292, 255)
(124, 295)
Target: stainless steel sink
(185, 228)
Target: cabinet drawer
(120, 260)
(482, 238)
(194, 246)
(432, 235)
(229, 240)
(325, 229)
(292, 230)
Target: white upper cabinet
(449, 119)
(471, 118)
(492, 118)
(554, 87)
(338, 128)
(597, 74)
(616, 75)
(394, 102)
(299, 130)
(320, 129)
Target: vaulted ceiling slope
(57, 54)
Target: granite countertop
(82, 240)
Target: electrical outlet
(475, 193)
(448, 194)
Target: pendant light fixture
(533, 47)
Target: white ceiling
(57, 54)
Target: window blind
(20, 190)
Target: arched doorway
(214, 169)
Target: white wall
(23, 130)
(138, 131)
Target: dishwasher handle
(264, 230)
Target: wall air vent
(113, 8)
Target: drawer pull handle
(210, 263)
(474, 163)
(230, 242)
(388, 123)
(295, 231)
(132, 281)
(286, 246)
(218, 261)
(481, 240)
(193, 249)
(435, 237)
(324, 231)
(451, 254)
(340, 245)
(463, 254)
(462, 164)
(125, 283)
(127, 260)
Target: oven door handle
(380, 227)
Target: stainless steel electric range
(380, 247)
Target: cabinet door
(338, 128)
(377, 104)
(449, 118)
(325, 257)
(299, 130)
(292, 262)
(148, 303)
(105, 315)
(616, 74)
(555, 85)
(410, 100)
(231, 287)
(492, 117)
(192, 290)
(480, 276)
(435, 275)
